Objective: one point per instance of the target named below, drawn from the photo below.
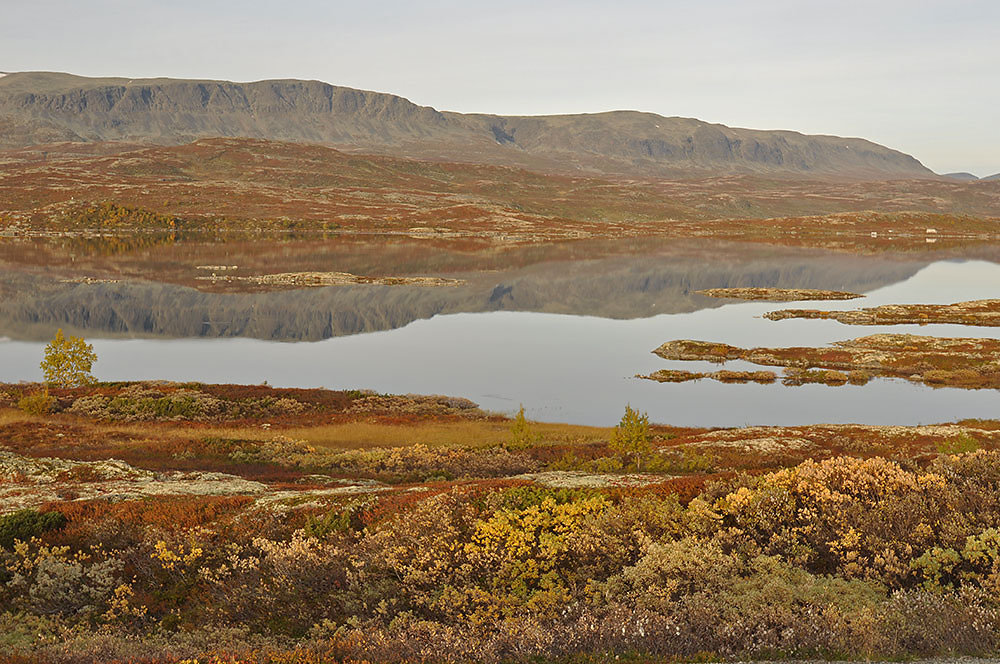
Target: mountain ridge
(44, 107)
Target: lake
(578, 368)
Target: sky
(920, 76)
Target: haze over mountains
(41, 107)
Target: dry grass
(13, 416)
(350, 435)
(361, 435)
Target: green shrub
(39, 403)
(25, 524)
(144, 403)
(962, 444)
(340, 519)
(682, 460)
(605, 465)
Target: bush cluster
(37, 403)
(26, 524)
(144, 403)
(840, 558)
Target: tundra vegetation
(252, 186)
(164, 522)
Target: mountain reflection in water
(34, 303)
(573, 368)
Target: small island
(980, 313)
(935, 361)
(778, 294)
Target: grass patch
(363, 435)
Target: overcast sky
(920, 76)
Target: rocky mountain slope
(42, 107)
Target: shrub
(142, 402)
(522, 436)
(862, 518)
(52, 580)
(25, 524)
(524, 559)
(671, 570)
(962, 444)
(978, 563)
(340, 519)
(39, 403)
(930, 623)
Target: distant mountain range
(43, 107)
(969, 177)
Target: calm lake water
(574, 368)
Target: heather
(807, 542)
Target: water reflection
(576, 368)
(151, 293)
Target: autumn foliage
(68, 361)
(845, 556)
(857, 543)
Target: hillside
(254, 181)
(41, 107)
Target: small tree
(521, 434)
(631, 438)
(68, 361)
